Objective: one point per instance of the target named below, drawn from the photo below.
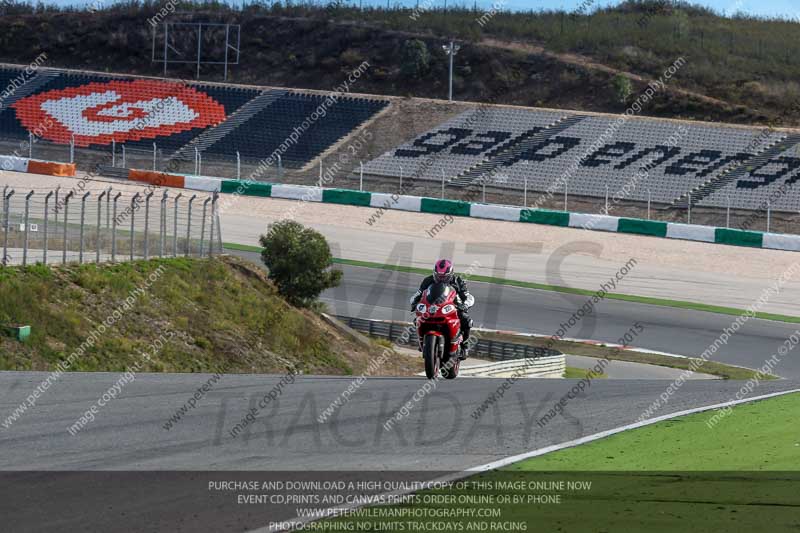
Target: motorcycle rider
(443, 273)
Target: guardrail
(484, 348)
(543, 367)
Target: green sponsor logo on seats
(345, 196)
(445, 207)
(247, 188)
(737, 237)
(543, 216)
(642, 227)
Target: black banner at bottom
(507, 500)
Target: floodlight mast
(451, 50)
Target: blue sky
(769, 8)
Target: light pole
(451, 50)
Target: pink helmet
(443, 271)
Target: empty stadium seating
(774, 184)
(316, 126)
(96, 109)
(635, 158)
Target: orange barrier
(51, 169)
(157, 178)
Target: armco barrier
(544, 367)
(485, 348)
(417, 204)
(35, 166)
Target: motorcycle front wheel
(430, 351)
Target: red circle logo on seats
(98, 113)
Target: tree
(416, 58)
(622, 87)
(299, 261)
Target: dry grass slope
(211, 315)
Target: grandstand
(95, 110)
(650, 159)
(509, 148)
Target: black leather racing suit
(466, 301)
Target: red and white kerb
(97, 113)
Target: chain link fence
(57, 226)
(341, 167)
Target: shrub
(622, 88)
(299, 261)
(416, 58)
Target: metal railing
(329, 172)
(60, 226)
(485, 348)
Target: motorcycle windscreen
(438, 293)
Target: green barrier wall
(642, 227)
(248, 188)
(445, 207)
(543, 216)
(344, 196)
(738, 237)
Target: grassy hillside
(737, 69)
(193, 315)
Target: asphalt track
(384, 294)
(156, 478)
(128, 434)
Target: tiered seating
(460, 143)
(99, 109)
(9, 125)
(639, 158)
(762, 186)
(679, 157)
(315, 128)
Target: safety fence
(330, 172)
(61, 226)
(484, 348)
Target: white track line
(603, 434)
(535, 453)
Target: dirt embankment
(319, 52)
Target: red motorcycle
(439, 331)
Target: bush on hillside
(416, 58)
(299, 262)
(622, 88)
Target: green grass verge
(209, 315)
(694, 306)
(678, 475)
(572, 372)
(753, 436)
